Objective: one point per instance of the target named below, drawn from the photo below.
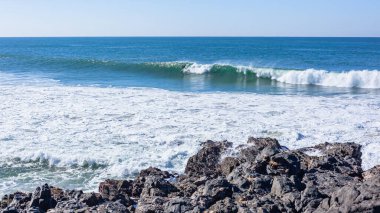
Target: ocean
(75, 111)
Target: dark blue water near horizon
(247, 64)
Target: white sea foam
(88, 134)
(198, 68)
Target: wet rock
(157, 186)
(42, 199)
(138, 183)
(109, 189)
(205, 162)
(285, 163)
(339, 158)
(20, 200)
(91, 199)
(262, 148)
(228, 164)
(262, 177)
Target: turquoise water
(261, 65)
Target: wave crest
(351, 79)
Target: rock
(262, 148)
(338, 157)
(20, 200)
(285, 163)
(262, 177)
(151, 205)
(157, 186)
(91, 199)
(282, 185)
(42, 198)
(178, 205)
(357, 197)
(310, 199)
(205, 162)
(10, 209)
(223, 206)
(373, 173)
(109, 189)
(217, 189)
(138, 183)
(70, 205)
(116, 207)
(228, 164)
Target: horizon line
(190, 36)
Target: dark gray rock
(91, 199)
(262, 177)
(262, 147)
(157, 186)
(205, 162)
(138, 183)
(228, 164)
(178, 205)
(42, 198)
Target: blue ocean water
(75, 111)
(262, 65)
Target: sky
(29, 18)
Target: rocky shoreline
(261, 177)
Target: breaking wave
(354, 78)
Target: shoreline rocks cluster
(261, 177)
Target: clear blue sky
(190, 18)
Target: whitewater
(76, 136)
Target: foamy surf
(75, 137)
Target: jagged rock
(116, 207)
(151, 205)
(205, 162)
(285, 163)
(20, 200)
(262, 177)
(178, 205)
(263, 147)
(373, 173)
(157, 186)
(109, 189)
(340, 158)
(358, 197)
(91, 199)
(228, 164)
(223, 206)
(138, 183)
(310, 199)
(217, 189)
(42, 198)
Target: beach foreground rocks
(261, 176)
